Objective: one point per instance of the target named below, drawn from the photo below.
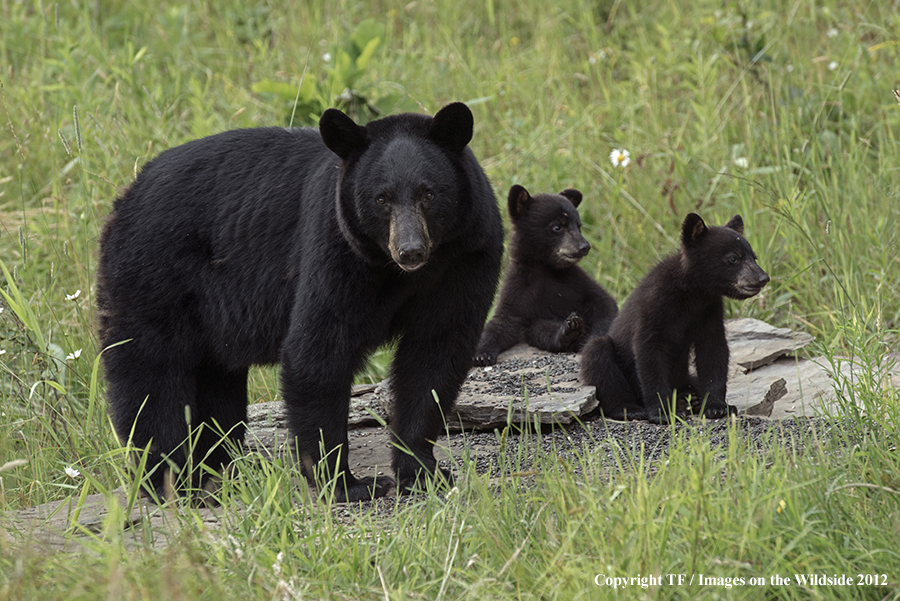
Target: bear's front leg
(439, 332)
(316, 387)
(711, 356)
(501, 332)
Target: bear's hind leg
(617, 393)
(222, 413)
(151, 397)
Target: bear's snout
(411, 256)
(408, 242)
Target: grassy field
(779, 111)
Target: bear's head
(403, 187)
(546, 228)
(719, 260)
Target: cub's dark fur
(676, 307)
(546, 300)
(306, 247)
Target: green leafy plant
(343, 85)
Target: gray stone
(66, 525)
(809, 387)
(753, 343)
(764, 408)
(525, 384)
(363, 404)
(534, 385)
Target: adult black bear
(304, 247)
(546, 300)
(676, 307)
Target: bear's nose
(584, 248)
(411, 255)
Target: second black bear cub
(677, 307)
(546, 300)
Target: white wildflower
(832, 65)
(596, 57)
(741, 162)
(789, 68)
(454, 492)
(326, 57)
(73, 356)
(73, 296)
(832, 33)
(2, 351)
(619, 157)
(276, 567)
(71, 472)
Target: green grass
(801, 90)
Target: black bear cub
(306, 247)
(676, 308)
(546, 300)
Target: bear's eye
(429, 195)
(557, 228)
(733, 259)
(381, 199)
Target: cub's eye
(381, 199)
(557, 228)
(733, 260)
(429, 195)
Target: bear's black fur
(546, 300)
(304, 247)
(677, 307)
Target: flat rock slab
(365, 410)
(67, 526)
(534, 385)
(525, 384)
(537, 386)
(808, 387)
(753, 343)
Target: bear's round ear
(452, 126)
(517, 201)
(736, 224)
(573, 195)
(341, 134)
(692, 229)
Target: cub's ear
(573, 195)
(692, 230)
(341, 134)
(518, 200)
(736, 224)
(452, 126)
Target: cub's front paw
(719, 411)
(571, 330)
(484, 359)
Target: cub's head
(546, 228)
(719, 260)
(402, 188)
